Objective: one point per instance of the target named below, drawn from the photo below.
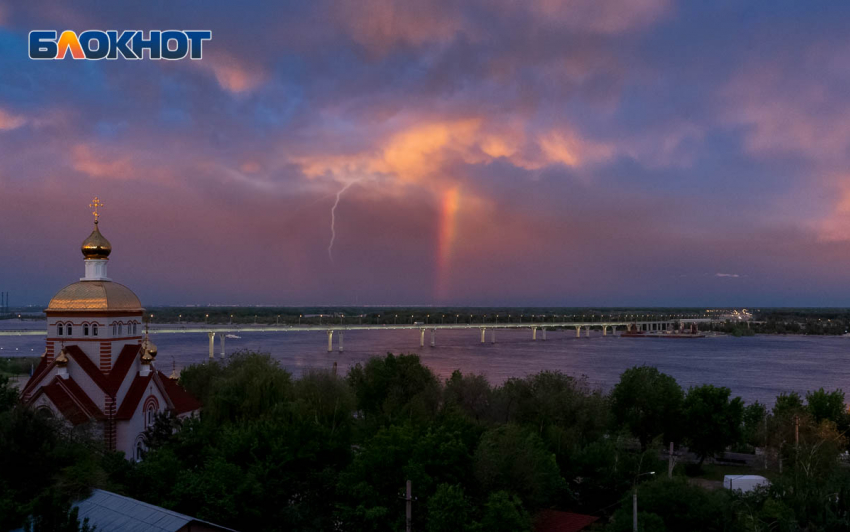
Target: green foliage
(648, 403)
(395, 389)
(788, 404)
(510, 458)
(449, 510)
(324, 452)
(470, 394)
(51, 512)
(712, 421)
(8, 394)
(822, 405)
(680, 505)
(753, 430)
(42, 461)
(18, 365)
(503, 512)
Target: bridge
(340, 329)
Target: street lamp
(395, 320)
(179, 318)
(457, 316)
(320, 318)
(299, 318)
(634, 501)
(206, 318)
(231, 319)
(427, 317)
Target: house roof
(110, 512)
(557, 521)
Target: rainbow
(446, 238)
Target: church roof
(72, 401)
(95, 295)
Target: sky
(435, 152)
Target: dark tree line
(332, 452)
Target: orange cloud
(95, 164)
(234, 75)
(426, 151)
(9, 121)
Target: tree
(53, 513)
(504, 512)
(449, 510)
(679, 504)
(510, 458)
(648, 403)
(8, 394)
(754, 418)
(827, 405)
(471, 394)
(788, 404)
(394, 389)
(712, 422)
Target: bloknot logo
(129, 44)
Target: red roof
(71, 401)
(181, 400)
(557, 521)
(134, 395)
(40, 370)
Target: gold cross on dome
(95, 204)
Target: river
(756, 368)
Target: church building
(99, 365)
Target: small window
(140, 451)
(59, 328)
(134, 327)
(114, 330)
(68, 330)
(94, 330)
(120, 328)
(86, 329)
(151, 414)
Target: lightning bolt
(333, 218)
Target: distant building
(99, 365)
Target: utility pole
(409, 503)
(634, 510)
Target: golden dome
(96, 295)
(147, 358)
(148, 348)
(62, 358)
(96, 246)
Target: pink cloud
(9, 121)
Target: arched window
(134, 327)
(114, 329)
(120, 328)
(94, 330)
(85, 329)
(59, 328)
(68, 330)
(150, 409)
